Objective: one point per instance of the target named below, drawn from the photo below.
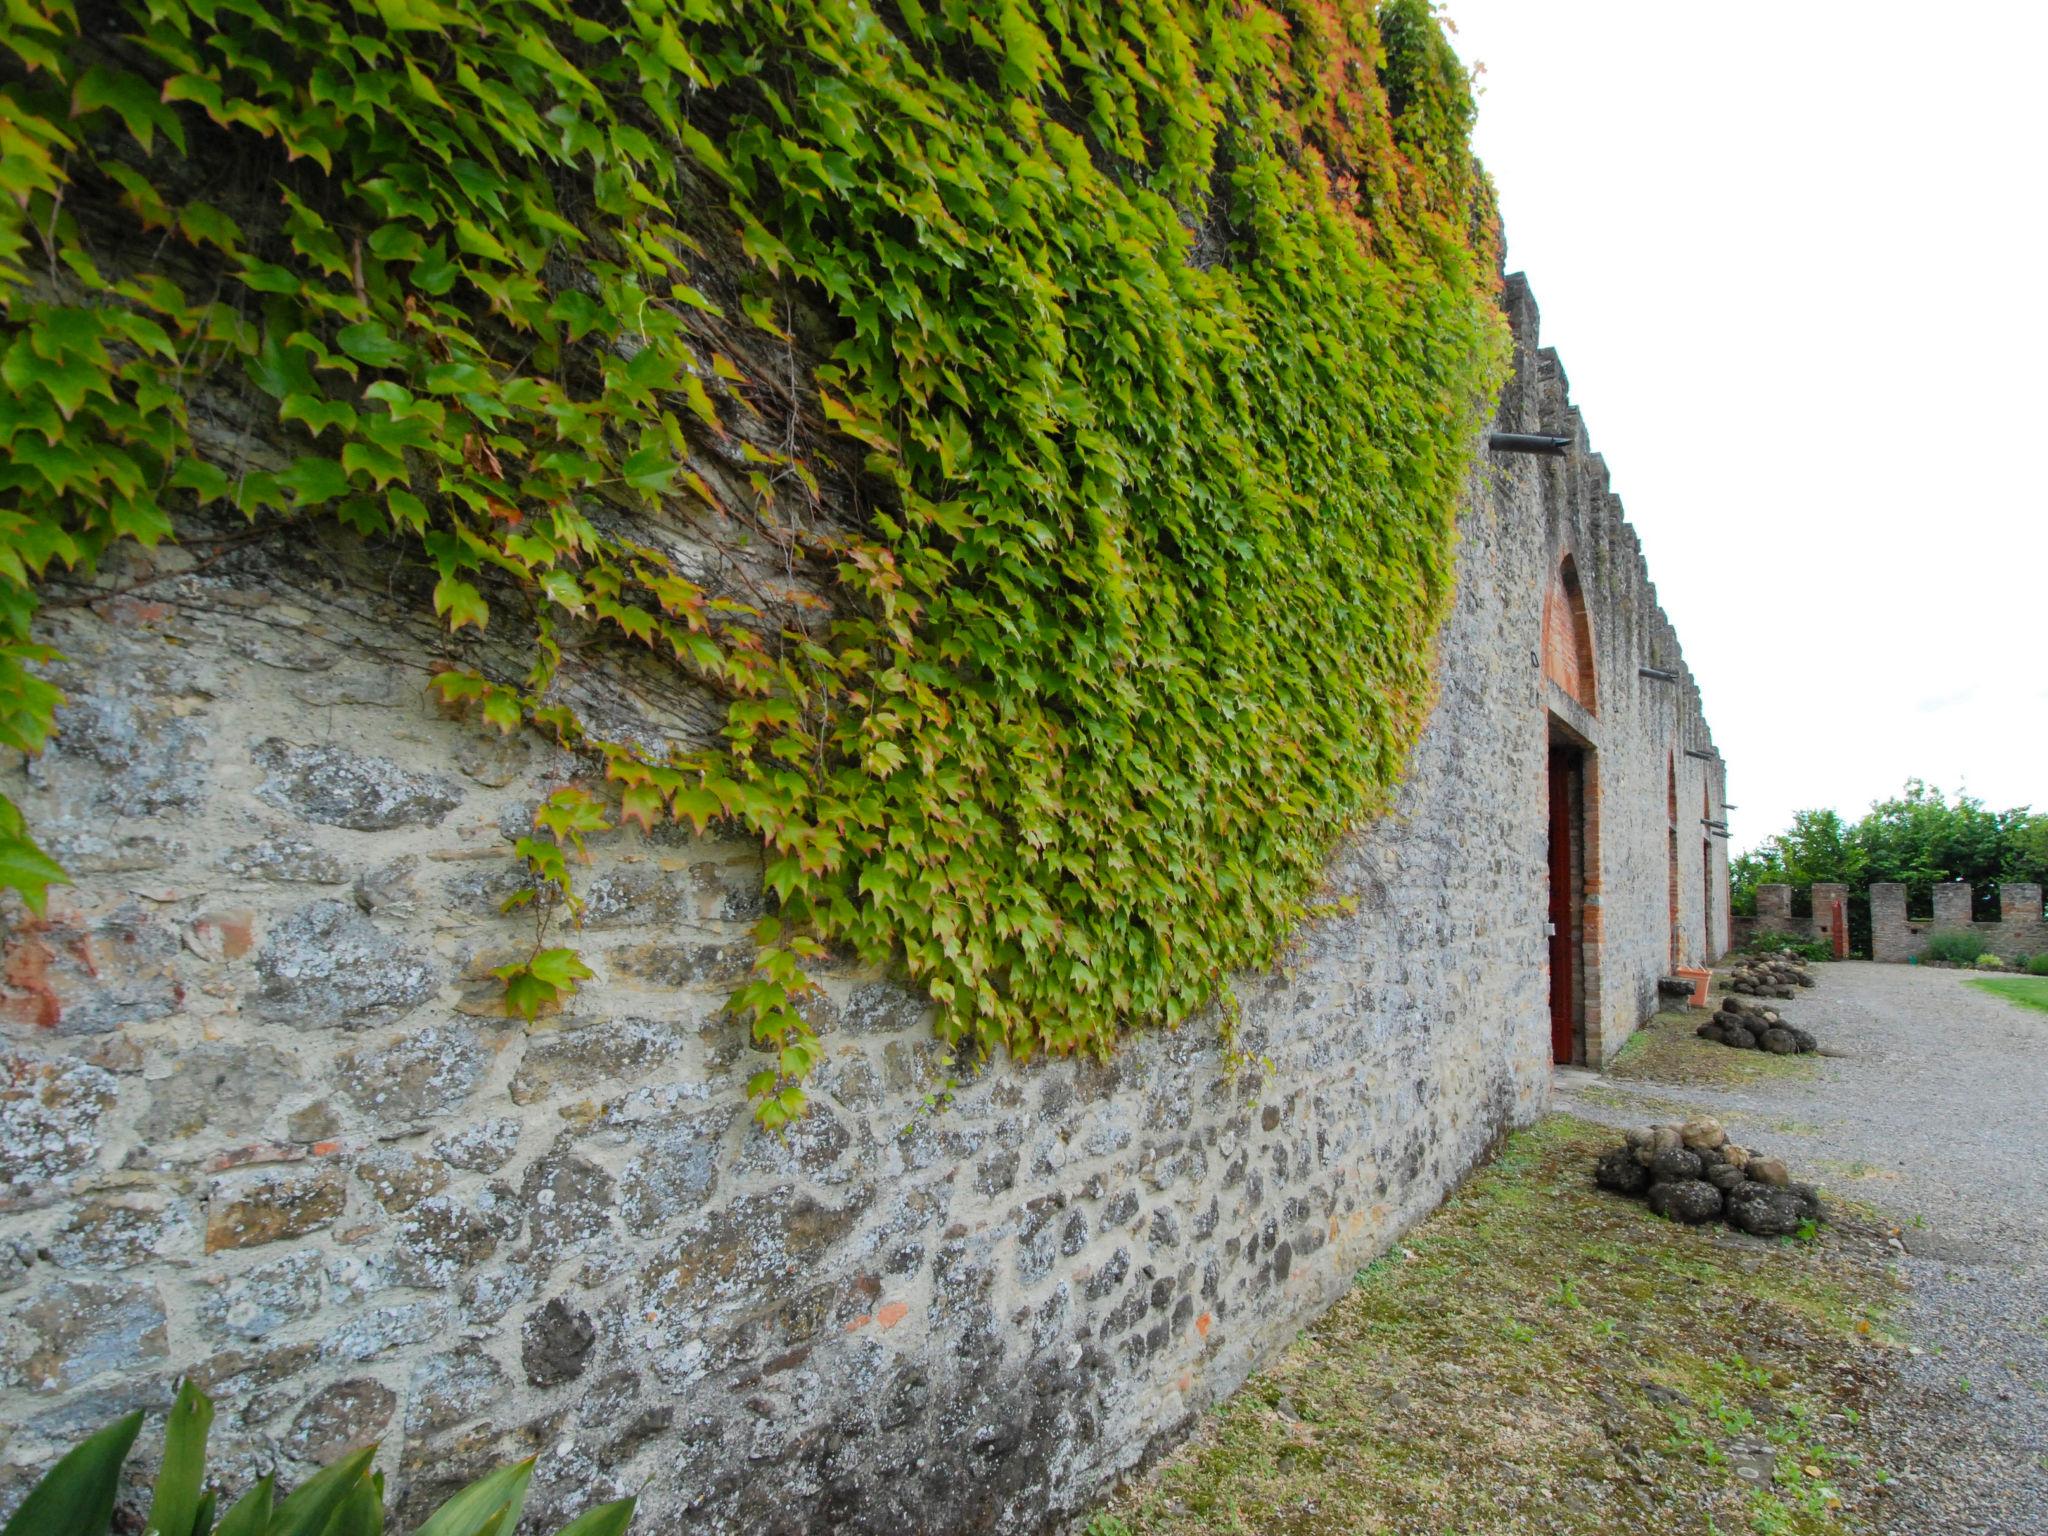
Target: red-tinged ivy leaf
(782, 877)
(460, 603)
(200, 91)
(67, 380)
(643, 803)
(699, 401)
(456, 686)
(569, 812)
(502, 709)
(697, 805)
(204, 224)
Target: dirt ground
(1543, 1357)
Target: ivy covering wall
(1132, 357)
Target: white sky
(1791, 256)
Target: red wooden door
(1563, 970)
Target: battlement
(1895, 937)
(2019, 929)
(1828, 921)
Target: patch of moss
(1541, 1356)
(1666, 1050)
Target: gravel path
(1932, 1105)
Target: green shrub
(2038, 966)
(1770, 941)
(76, 1496)
(1955, 948)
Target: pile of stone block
(1772, 975)
(1694, 1174)
(1748, 1026)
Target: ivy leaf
(204, 224)
(542, 981)
(525, 993)
(25, 868)
(380, 464)
(560, 968)
(460, 603)
(370, 342)
(643, 803)
(318, 414)
(203, 480)
(578, 311)
(699, 806)
(396, 242)
(313, 480)
(132, 99)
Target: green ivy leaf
(139, 105)
(460, 603)
(370, 342)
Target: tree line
(1920, 838)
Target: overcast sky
(1791, 257)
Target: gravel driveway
(1932, 1105)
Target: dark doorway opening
(1707, 865)
(1567, 901)
(1671, 807)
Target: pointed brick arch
(1568, 635)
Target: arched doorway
(1568, 637)
(1574, 798)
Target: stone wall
(1646, 733)
(263, 1121)
(2018, 931)
(1774, 914)
(1895, 937)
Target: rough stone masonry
(264, 1122)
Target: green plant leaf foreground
(1121, 488)
(76, 1497)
